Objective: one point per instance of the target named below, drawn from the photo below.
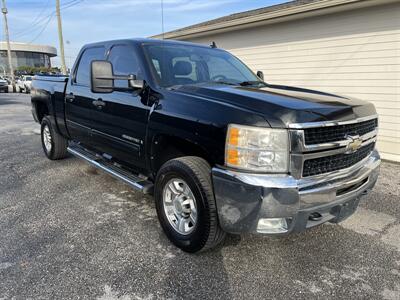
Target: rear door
(119, 125)
(79, 99)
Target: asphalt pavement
(69, 231)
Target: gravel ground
(70, 231)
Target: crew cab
(220, 149)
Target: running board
(138, 183)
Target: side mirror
(260, 75)
(134, 83)
(101, 76)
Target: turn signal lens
(233, 137)
(233, 157)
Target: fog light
(272, 225)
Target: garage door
(354, 53)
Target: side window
(82, 76)
(124, 62)
(156, 65)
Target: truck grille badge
(354, 144)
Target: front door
(120, 118)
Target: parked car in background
(3, 85)
(220, 149)
(25, 83)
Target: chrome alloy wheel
(47, 138)
(180, 206)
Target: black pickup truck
(220, 149)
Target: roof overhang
(283, 15)
(15, 46)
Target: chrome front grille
(337, 133)
(325, 147)
(326, 164)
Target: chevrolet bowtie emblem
(354, 144)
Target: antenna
(213, 45)
(162, 18)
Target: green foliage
(35, 70)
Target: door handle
(70, 97)
(99, 103)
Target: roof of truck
(144, 41)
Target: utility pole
(60, 37)
(4, 11)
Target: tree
(24, 70)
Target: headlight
(257, 149)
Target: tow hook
(315, 216)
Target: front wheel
(54, 144)
(185, 204)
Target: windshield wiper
(223, 82)
(254, 82)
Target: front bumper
(244, 199)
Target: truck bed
(49, 91)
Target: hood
(283, 105)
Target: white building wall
(354, 53)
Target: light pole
(4, 11)
(60, 37)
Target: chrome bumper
(244, 199)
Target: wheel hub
(180, 206)
(47, 138)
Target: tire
(195, 173)
(55, 147)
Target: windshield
(28, 78)
(187, 64)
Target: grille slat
(335, 162)
(337, 133)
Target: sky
(85, 21)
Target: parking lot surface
(70, 231)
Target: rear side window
(124, 62)
(82, 76)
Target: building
(350, 47)
(23, 54)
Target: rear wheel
(185, 204)
(54, 144)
